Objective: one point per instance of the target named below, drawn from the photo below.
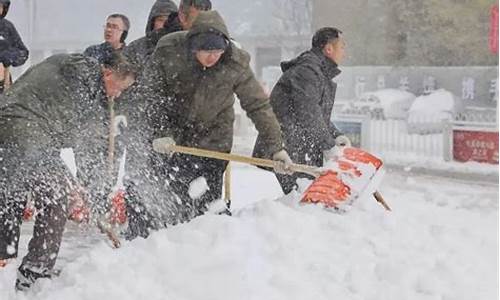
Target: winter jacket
(194, 105)
(12, 50)
(101, 51)
(303, 101)
(59, 103)
(138, 51)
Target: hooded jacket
(13, 52)
(194, 105)
(303, 100)
(138, 51)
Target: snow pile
(394, 103)
(427, 112)
(440, 242)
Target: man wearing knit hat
(190, 84)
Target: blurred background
(420, 84)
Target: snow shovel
(328, 188)
(6, 78)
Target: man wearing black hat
(12, 50)
(191, 80)
(115, 33)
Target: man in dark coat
(303, 101)
(191, 80)
(159, 24)
(12, 50)
(115, 33)
(60, 103)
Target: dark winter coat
(138, 51)
(194, 105)
(101, 52)
(12, 50)
(303, 101)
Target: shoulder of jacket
(8, 24)
(240, 56)
(172, 39)
(135, 43)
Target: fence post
(365, 133)
(447, 140)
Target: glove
(283, 162)
(342, 141)
(163, 145)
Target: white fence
(426, 137)
(393, 137)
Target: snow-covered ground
(440, 242)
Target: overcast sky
(81, 21)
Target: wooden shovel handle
(257, 162)
(261, 162)
(6, 79)
(381, 200)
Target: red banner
(475, 146)
(494, 29)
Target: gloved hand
(284, 162)
(162, 145)
(342, 141)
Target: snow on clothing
(57, 104)
(39, 115)
(194, 105)
(101, 51)
(13, 52)
(138, 51)
(303, 101)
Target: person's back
(52, 97)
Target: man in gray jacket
(303, 101)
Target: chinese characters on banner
(468, 88)
(359, 88)
(476, 146)
(404, 83)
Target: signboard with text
(474, 145)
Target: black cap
(208, 41)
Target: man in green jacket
(191, 80)
(60, 103)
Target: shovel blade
(347, 178)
